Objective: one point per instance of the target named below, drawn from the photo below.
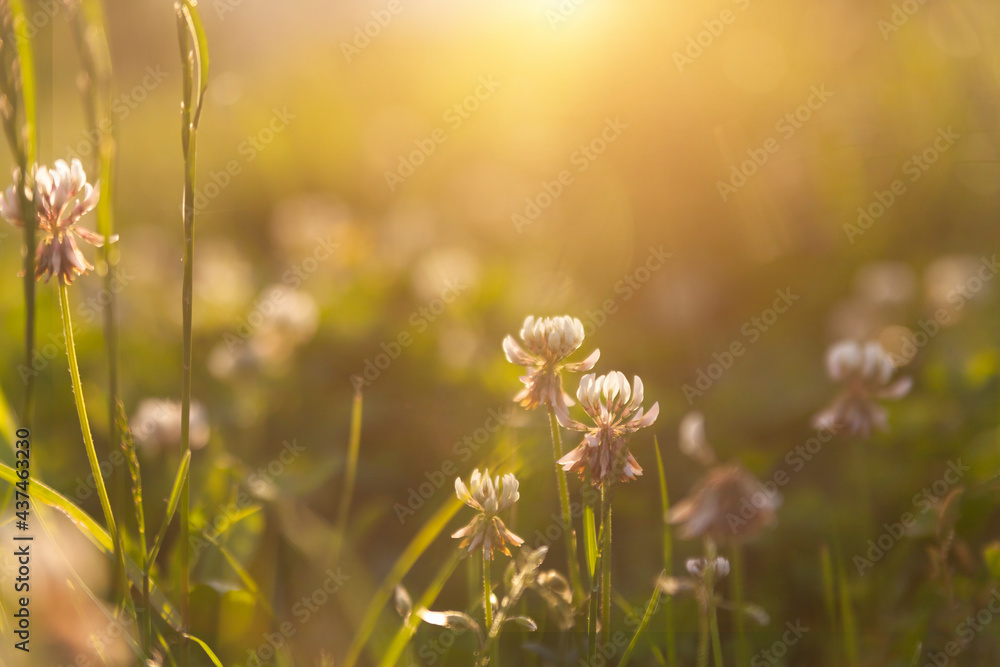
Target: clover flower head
(546, 342)
(488, 497)
(727, 504)
(865, 370)
(61, 196)
(616, 409)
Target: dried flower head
(604, 449)
(547, 342)
(697, 567)
(727, 504)
(865, 371)
(61, 196)
(488, 497)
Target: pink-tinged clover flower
(547, 342)
(865, 370)
(61, 196)
(488, 497)
(616, 410)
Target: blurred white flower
(604, 449)
(728, 504)
(886, 283)
(865, 370)
(156, 424)
(488, 497)
(547, 342)
(697, 567)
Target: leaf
(175, 498)
(991, 556)
(211, 656)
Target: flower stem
(488, 608)
(567, 515)
(606, 494)
(742, 649)
(88, 438)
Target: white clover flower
(865, 370)
(488, 497)
(547, 343)
(604, 449)
(61, 196)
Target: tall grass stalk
(350, 474)
(194, 59)
(607, 493)
(567, 515)
(25, 144)
(488, 606)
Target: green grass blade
(650, 608)
(847, 615)
(354, 447)
(406, 632)
(424, 538)
(175, 498)
(211, 656)
(668, 558)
